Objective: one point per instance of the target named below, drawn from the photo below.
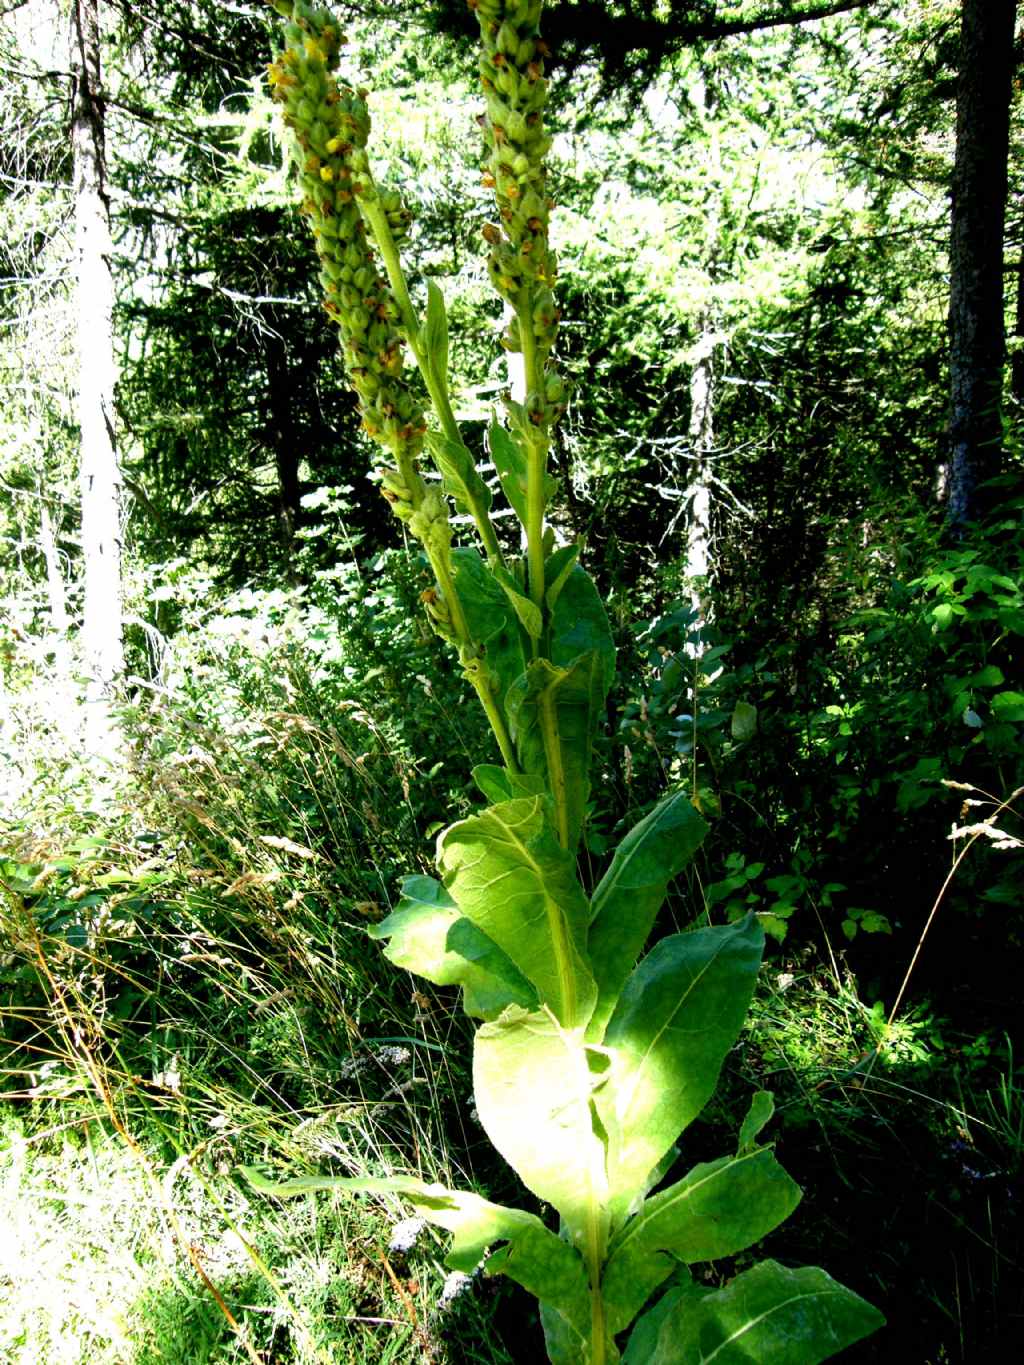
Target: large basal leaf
(426, 934)
(631, 892)
(767, 1316)
(491, 619)
(532, 1084)
(553, 715)
(679, 1014)
(507, 873)
(531, 1255)
(717, 1209)
(579, 625)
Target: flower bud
(524, 52)
(554, 389)
(507, 41)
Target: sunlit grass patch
(110, 1257)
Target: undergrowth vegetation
(188, 986)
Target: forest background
(209, 793)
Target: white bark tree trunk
(100, 475)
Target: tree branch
(635, 33)
(724, 28)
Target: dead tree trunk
(701, 428)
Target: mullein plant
(592, 1054)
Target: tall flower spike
(520, 262)
(330, 124)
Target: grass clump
(185, 986)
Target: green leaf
(532, 1083)
(579, 625)
(508, 874)
(491, 619)
(533, 1256)
(435, 332)
(719, 1208)
(643, 1340)
(498, 784)
(1008, 706)
(631, 892)
(989, 676)
(510, 461)
(762, 1107)
(426, 934)
(567, 1341)
(743, 725)
(457, 468)
(527, 611)
(553, 714)
(557, 569)
(679, 1014)
(769, 1314)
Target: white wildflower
(405, 1235)
(454, 1287)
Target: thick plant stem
(537, 456)
(595, 1250)
(497, 722)
(594, 1253)
(598, 1336)
(376, 220)
(556, 768)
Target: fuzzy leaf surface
(427, 935)
(769, 1315)
(435, 332)
(679, 1014)
(533, 1086)
(491, 619)
(498, 784)
(557, 569)
(553, 714)
(579, 625)
(717, 1209)
(457, 468)
(630, 894)
(528, 612)
(567, 1344)
(510, 462)
(507, 873)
